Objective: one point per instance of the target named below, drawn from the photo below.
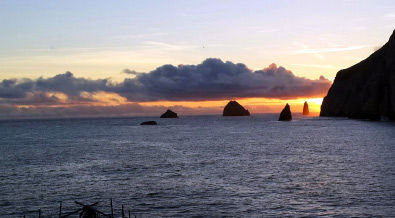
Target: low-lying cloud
(65, 83)
(213, 79)
(129, 109)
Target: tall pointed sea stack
(233, 108)
(365, 90)
(306, 109)
(286, 114)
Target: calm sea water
(199, 166)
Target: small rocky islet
(169, 114)
(233, 108)
(148, 123)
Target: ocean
(199, 166)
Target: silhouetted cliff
(233, 108)
(365, 90)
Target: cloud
(330, 49)
(317, 66)
(65, 83)
(37, 98)
(65, 95)
(131, 72)
(11, 88)
(69, 85)
(167, 46)
(130, 109)
(142, 36)
(213, 79)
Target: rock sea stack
(149, 123)
(365, 90)
(169, 114)
(233, 108)
(306, 108)
(285, 114)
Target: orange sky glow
(254, 105)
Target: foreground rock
(285, 114)
(169, 114)
(233, 108)
(306, 109)
(365, 90)
(149, 123)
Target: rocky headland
(233, 108)
(365, 90)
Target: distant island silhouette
(149, 123)
(365, 90)
(169, 114)
(233, 108)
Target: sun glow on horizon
(108, 99)
(255, 105)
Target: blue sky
(101, 38)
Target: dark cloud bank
(213, 79)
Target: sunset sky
(133, 58)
